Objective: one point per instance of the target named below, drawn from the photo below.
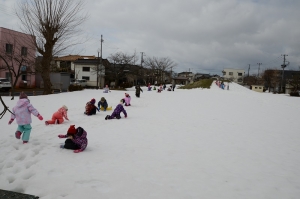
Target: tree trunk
(46, 60)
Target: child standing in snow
(138, 90)
(90, 108)
(22, 113)
(117, 111)
(76, 141)
(127, 99)
(58, 116)
(102, 103)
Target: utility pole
(142, 61)
(283, 66)
(248, 69)
(258, 68)
(101, 64)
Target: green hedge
(75, 88)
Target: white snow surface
(198, 143)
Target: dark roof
(105, 62)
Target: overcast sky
(203, 36)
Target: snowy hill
(209, 143)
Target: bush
(75, 88)
(294, 94)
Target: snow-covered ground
(199, 143)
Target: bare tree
(5, 108)
(159, 67)
(120, 64)
(271, 78)
(53, 23)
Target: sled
(108, 108)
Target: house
(181, 80)
(199, 76)
(189, 77)
(19, 52)
(235, 75)
(92, 70)
(257, 88)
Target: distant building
(257, 88)
(235, 75)
(20, 52)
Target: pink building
(19, 52)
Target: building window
(24, 77)
(240, 74)
(23, 68)
(7, 76)
(9, 48)
(24, 51)
(240, 80)
(86, 77)
(87, 69)
(255, 87)
(230, 73)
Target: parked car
(81, 82)
(5, 84)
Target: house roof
(73, 57)
(180, 78)
(95, 61)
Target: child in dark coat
(102, 103)
(90, 108)
(138, 90)
(117, 111)
(76, 141)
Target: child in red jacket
(76, 141)
(58, 116)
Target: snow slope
(199, 143)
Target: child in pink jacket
(127, 99)
(58, 116)
(22, 113)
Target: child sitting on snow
(106, 89)
(22, 113)
(58, 116)
(76, 141)
(117, 111)
(90, 108)
(127, 99)
(102, 103)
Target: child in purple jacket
(76, 141)
(117, 111)
(22, 113)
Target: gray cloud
(199, 35)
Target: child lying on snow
(58, 116)
(117, 111)
(76, 141)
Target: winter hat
(23, 95)
(65, 107)
(122, 101)
(102, 99)
(72, 129)
(93, 101)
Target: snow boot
(46, 123)
(107, 117)
(25, 142)
(18, 134)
